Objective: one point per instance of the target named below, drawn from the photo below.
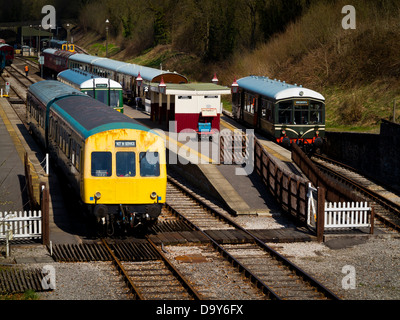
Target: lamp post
(30, 39)
(107, 23)
(40, 27)
(68, 34)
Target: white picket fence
(347, 215)
(20, 225)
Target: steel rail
(190, 289)
(128, 281)
(299, 272)
(254, 279)
(21, 74)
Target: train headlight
(153, 195)
(97, 195)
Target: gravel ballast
(375, 261)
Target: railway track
(273, 274)
(145, 270)
(13, 280)
(385, 203)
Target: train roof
(276, 89)
(50, 90)
(147, 73)
(58, 41)
(84, 114)
(86, 80)
(89, 116)
(6, 47)
(59, 52)
(84, 58)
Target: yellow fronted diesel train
(117, 167)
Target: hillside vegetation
(299, 42)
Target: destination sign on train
(301, 102)
(125, 144)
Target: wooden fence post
(44, 205)
(372, 221)
(321, 214)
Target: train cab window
(149, 164)
(285, 112)
(301, 111)
(126, 164)
(316, 113)
(102, 96)
(90, 93)
(101, 164)
(114, 98)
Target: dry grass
(356, 70)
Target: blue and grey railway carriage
(116, 167)
(288, 113)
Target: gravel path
(375, 263)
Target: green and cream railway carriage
(289, 113)
(104, 90)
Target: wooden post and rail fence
(294, 193)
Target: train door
(256, 117)
(241, 105)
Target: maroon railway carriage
(7, 51)
(56, 61)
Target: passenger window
(149, 164)
(126, 164)
(101, 164)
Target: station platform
(242, 194)
(15, 141)
(13, 194)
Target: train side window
(73, 157)
(126, 164)
(250, 103)
(285, 113)
(149, 164)
(266, 110)
(68, 146)
(78, 157)
(101, 164)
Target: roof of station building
(193, 88)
